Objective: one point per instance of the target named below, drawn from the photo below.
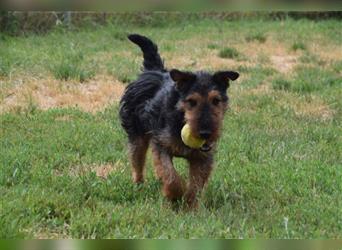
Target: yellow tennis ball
(189, 139)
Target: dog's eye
(191, 102)
(216, 101)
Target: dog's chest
(179, 149)
(173, 144)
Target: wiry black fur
(152, 59)
(151, 108)
(133, 103)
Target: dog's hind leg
(138, 147)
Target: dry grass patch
(196, 57)
(284, 63)
(179, 62)
(44, 234)
(280, 57)
(214, 62)
(209, 61)
(312, 106)
(63, 118)
(239, 94)
(101, 170)
(252, 50)
(327, 53)
(262, 89)
(50, 93)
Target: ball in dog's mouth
(189, 139)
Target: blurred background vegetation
(16, 23)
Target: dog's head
(204, 101)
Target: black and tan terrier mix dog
(153, 111)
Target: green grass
(229, 53)
(310, 58)
(275, 163)
(5, 68)
(281, 84)
(298, 46)
(337, 66)
(260, 37)
(125, 71)
(213, 46)
(309, 79)
(72, 66)
(256, 75)
(7, 63)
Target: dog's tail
(152, 59)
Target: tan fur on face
(216, 111)
(191, 114)
(219, 110)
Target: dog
(153, 111)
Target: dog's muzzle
(206, 147)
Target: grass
(213, 46)
(308, 58)
(298, 46)
(66, 70)
(281, 84)
(337, 66)
(260, 37)
(71, 66)
(7, 63)
(278, 163)
(125, 71)
(309, 79)
(5, 68)
(229, 53)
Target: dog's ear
(182, 79)
(222, 78)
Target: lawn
(64, 170)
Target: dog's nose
(205, 134)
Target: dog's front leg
(199, 173)
(173, 185)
